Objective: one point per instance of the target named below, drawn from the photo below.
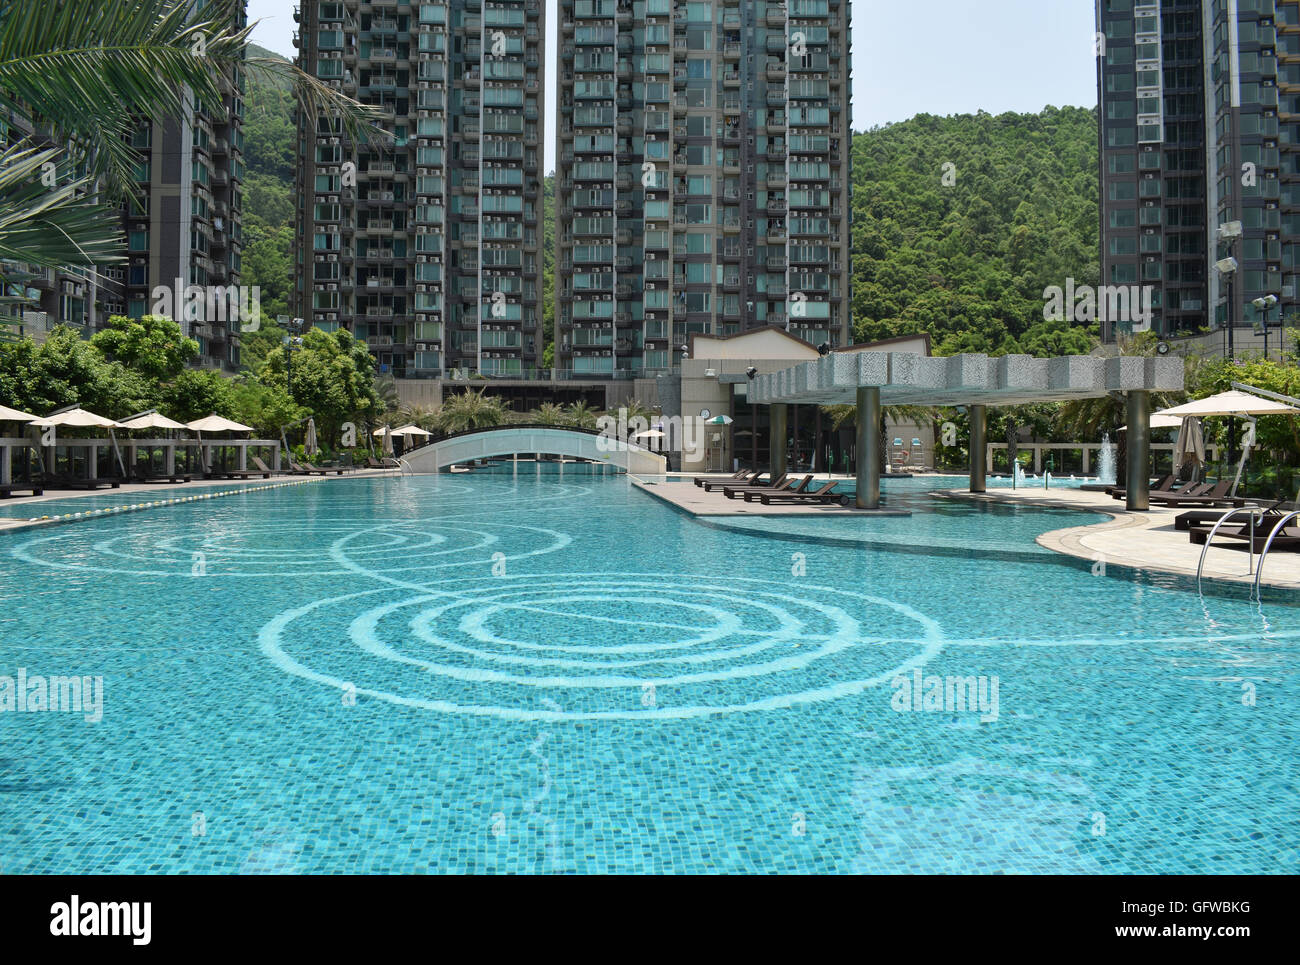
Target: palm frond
(52, 227)
(85, 70)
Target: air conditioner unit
(331, 257)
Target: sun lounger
(68, 482)
(1218, 496)
(176, 477)
(1193, 517)
(1288, 540)
(740, 476)
(709, 485)
(752, 494)
(1165, 485)
(9, 489)
(823, 495)
(307, 469)
(731, 492)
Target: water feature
(1106, 461)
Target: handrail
(1259, 570)
(1253, 510)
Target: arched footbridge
(521, 439)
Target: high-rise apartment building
(428, 247)
(1200, 127)
(182, 225)
(703, 177)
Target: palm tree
(81, 73)
(471, 410)
(548, 414)
(580, 415)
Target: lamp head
(751, 372)
(1226, 266)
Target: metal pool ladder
(1259, 570)
(1254, 511)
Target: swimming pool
(555, 672)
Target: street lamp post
(1264, 304)
(291, 340)
(1228, 233)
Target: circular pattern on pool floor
(601, 646)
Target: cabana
(75, 417)
(147, 420)
(214, 424)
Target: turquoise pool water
(557, 673)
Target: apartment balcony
(776, 124)
(775, 179)
(776, 289)
(776, 70)
(220, 179)
(777, 318)
(775, 14)
(775, 235)
(776, 262)
(776, 98)
(731, 283)
(731, 78)
(731, 225)
(731, 51)
(776, 206)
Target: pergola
(872, 379)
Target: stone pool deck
(1144, 541)
(678, 491)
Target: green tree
(153, 345)
(333, 378)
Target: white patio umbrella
(76, 417)
(151, 420)
(412, 431)
(1232, 404)
(215, 423)
(311, 444)
(1161, 422)
(1190, 445)
(388, 441)
(719, 420)
(13, 415)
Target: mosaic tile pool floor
(557, 673)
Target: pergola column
(979, 449)
(776, 440)
(868, 447)
(1138, 488)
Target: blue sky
(940, 57)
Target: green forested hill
(968, 262)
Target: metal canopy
(905, 378)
